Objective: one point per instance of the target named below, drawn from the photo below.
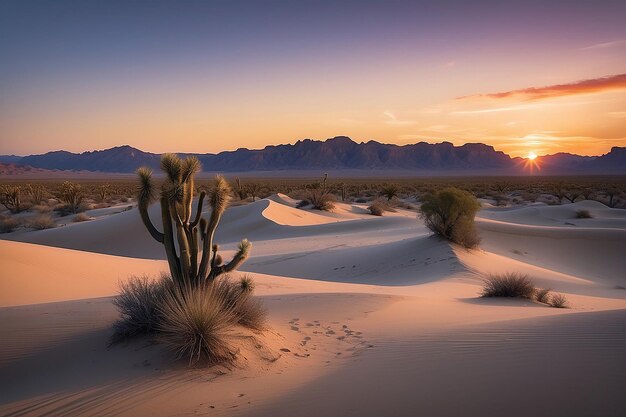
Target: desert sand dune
(372, 314)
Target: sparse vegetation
(8, 224)
(320, 197)
(511, 284)
(542, 295)
(197, 321)
(558, 301)
(71, 194)
(10, 197)
(450, 213)
(81, 217)
(376, 208)
(583, 214)
(41, 222)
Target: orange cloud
(596, 85)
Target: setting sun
(532, 156)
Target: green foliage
(450, 213)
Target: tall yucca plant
(196, 260)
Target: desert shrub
(390, 191)
(511, 284)
(196, 323)
(361, 200)
(10, 197)
(8, 224)
(450, 213)
(137, 304)
(558, 301)
(583, 214)
(41, 222)
(81, 217)
(71, 194)
(542, 295)
(42, 208)
(248, 310)
(376, 209)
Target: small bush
(42, 208)
(376, 209)
(542, 295)
(511, 284)
(197, 325)
(41, 222)
(450, 213)
(81, 217)
(558, 301)
(8, 224)
(321, 200)
(248, 310)
(583, 214)
(137, 304)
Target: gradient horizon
(191, 76)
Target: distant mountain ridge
(337, 153)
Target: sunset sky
(527, 76)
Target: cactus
(197, 259)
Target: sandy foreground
(369, 316)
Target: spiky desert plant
(197, 324)
(240, 190)
(254, 189)
(10, 197)
(197, 259)
(319, 195)
(41, 222)
(103, 191)
(36, 193)
(390, 191)
(71, 194)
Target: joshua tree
(572, 194)
(241, 191)
(194, 234)
(254, 189)
(35, 192)
(103, 192)
(390, 191)
(71, 194)
(10, 197)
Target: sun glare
(532, 156)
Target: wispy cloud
(595, 85)
(498, 109)
(605, 45)
(395, 121)
(618, 114)
(449, 64)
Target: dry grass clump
(81, 217)
(558, 301)
(137, 304)
(542, 295)
(42, 208)
(41, 222)
(376, 209)
(450, 214)
(197, 324)
(583, 214)
(8, 224)
(321, 199)
(510, 284)
(197, 321)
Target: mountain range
(338, 153)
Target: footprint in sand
(295, 328)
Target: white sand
(378, 317)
